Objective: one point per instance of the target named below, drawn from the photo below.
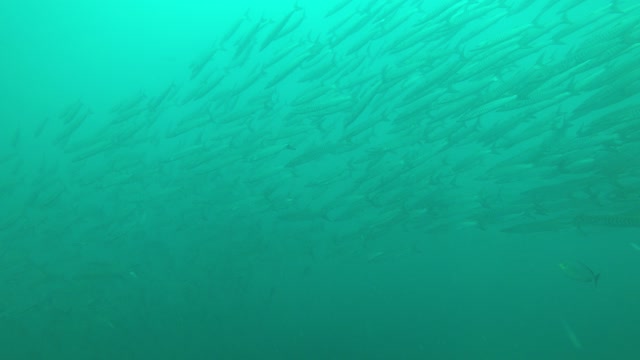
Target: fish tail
(596, 277)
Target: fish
(578, 271)
(278, 31)
(538, 226)
(575, 341)
(339, 6)
(613, 221)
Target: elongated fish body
(277, 31)
(575, 341)
(608, 220)
(339, 6)
(580, 272)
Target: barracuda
(614, 221)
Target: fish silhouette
(580, 272)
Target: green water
(350, 180)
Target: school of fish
(393, 116)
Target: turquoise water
(353, 180)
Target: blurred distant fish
(279, 30)
(624, 220)
(538, 226)
(579, 272)
(374, 256)
(575, 341)
(635, 246)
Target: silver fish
(579, 272)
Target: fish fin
(596, 277)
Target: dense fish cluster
(389, 116)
